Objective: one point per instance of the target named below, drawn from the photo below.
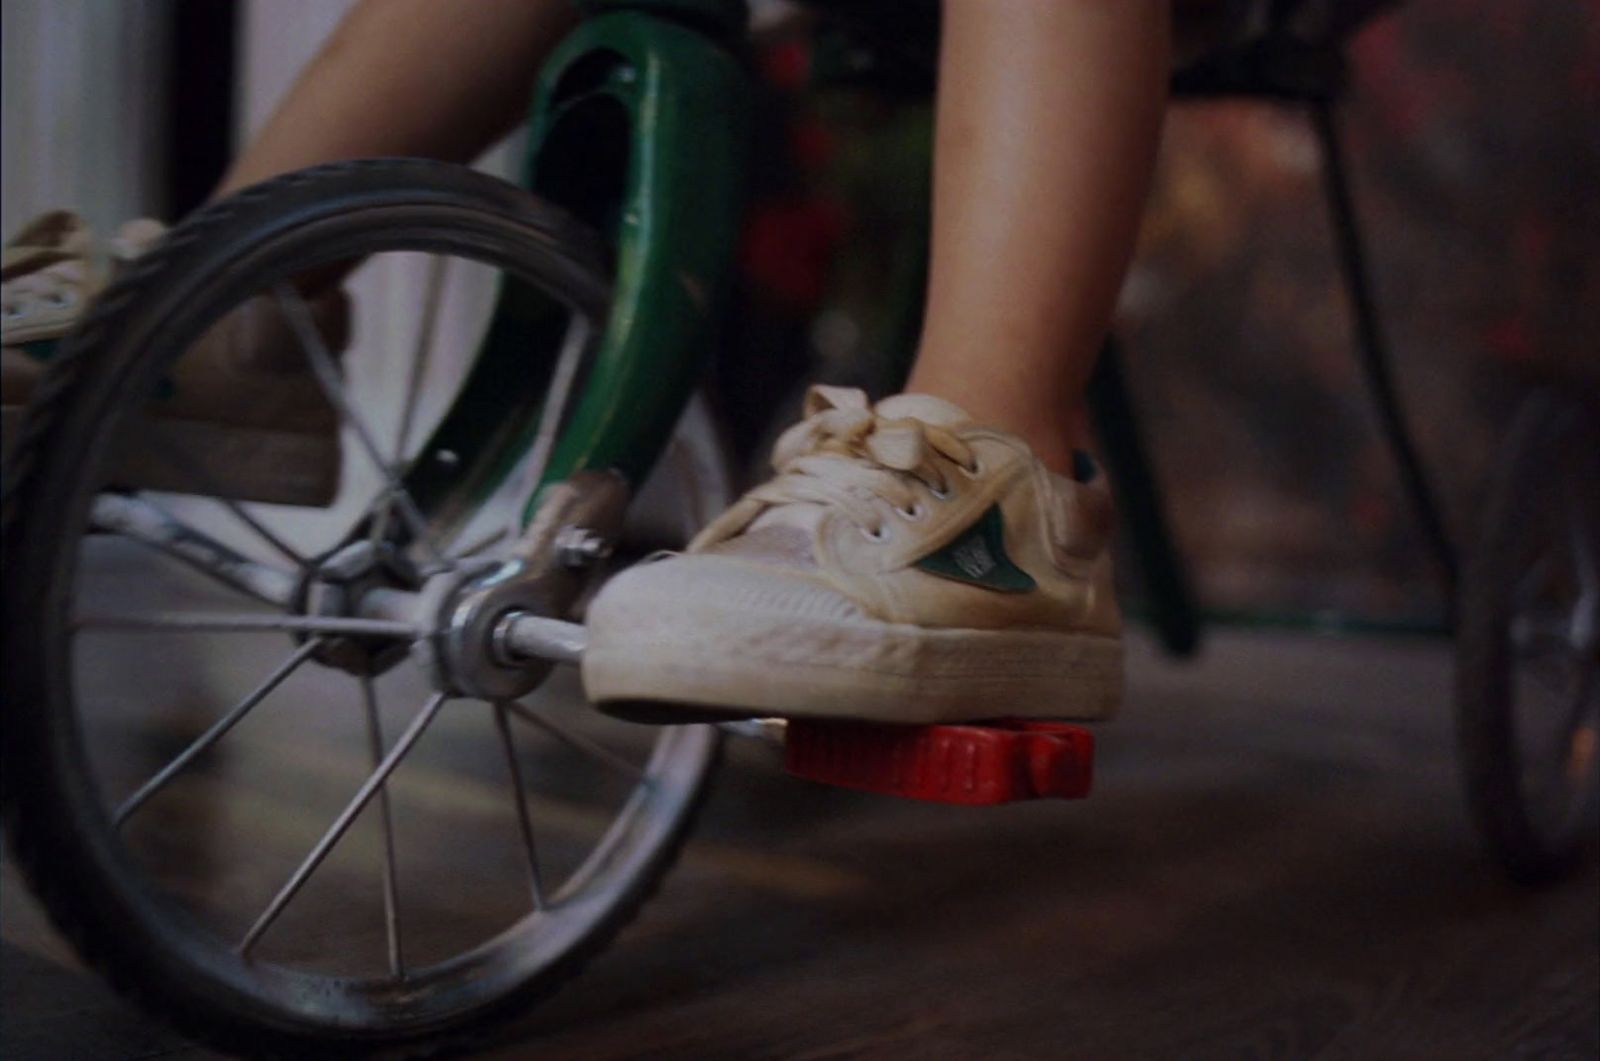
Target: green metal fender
(639, 126)
(675, 230)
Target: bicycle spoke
(138, 519)
(524, 825)
(244, 622)
(341, 824)
(326, 370)
(214, 491)
(580, 743)
(563, 379)
(483, 542)
(391, 878)
(245, 516)
(573, 346)
(422, 355)
(216, 732)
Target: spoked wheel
(1528, 659)
(225, 775)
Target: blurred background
(1472, 126)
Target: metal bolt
(580, 547)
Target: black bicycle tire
(1485, 726)
(38, 814)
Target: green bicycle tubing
(681, 203)
(677, 226)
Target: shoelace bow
(855, 460)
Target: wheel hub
(467, 615)
(342, 585)
(461, 652)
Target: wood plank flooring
(1276, 863)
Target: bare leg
(409, 77)
(1048, 120)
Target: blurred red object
(998, 762)
(788, 246)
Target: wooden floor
(1276, 863)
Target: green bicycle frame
(638, 127)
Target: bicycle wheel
(197, 780)
(1528, 656)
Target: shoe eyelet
(943, 493)
(915, 512)
(879, 534)
(15, 312)
(60, 299)
(973, 470)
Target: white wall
(80, 108)
(279, 37)
(82, 105)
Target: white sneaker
(242, 403)
(906, 565)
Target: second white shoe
(241, 405)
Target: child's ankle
(1053, 434)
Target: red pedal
(997, 762)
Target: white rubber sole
(881, 672)
(243, 463)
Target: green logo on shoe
(978, 558)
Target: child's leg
(1047, 127)
(429, 78)
(909, 563)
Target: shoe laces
(847, 457)
(56, 286)
(50, 264)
